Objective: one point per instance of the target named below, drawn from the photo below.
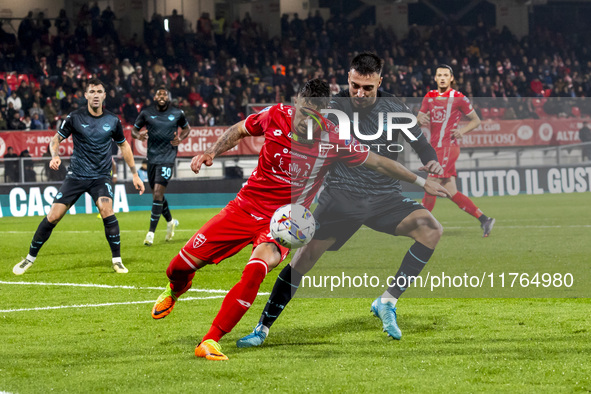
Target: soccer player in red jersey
(290, 169)
(441, 110)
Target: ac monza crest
(199, 240)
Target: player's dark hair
(95, 81)
(317, 90)
(367, 63)
(445, 66)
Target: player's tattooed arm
(227, 141)
(54, 144)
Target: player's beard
(164, 107)
(96, 107)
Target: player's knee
(434, 230)
(53, 218)
(55, 215)
(430, 231)
(269, 253)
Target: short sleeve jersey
(446, 110)
(362, 180)
(161, 127)
(92, 136)
(290, 171)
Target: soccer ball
(293, 226)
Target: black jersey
(161, 127)
(363, 180)
(93, 136)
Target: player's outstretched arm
(395, 170)
(227, 141)
(54, 144)
(128, 157)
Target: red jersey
(446, 111)
(289, 171)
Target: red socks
(466, 205)
(238, 299)
(180, 272)
(429, 202)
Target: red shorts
(229, 232)
(447, 157)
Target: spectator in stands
(176, 24)
(585, 136)
(3, 124)
(62, 23)
(47, 90)
(15, 122)
(2, 100)
(130, 112)
(60, 94)
(36, 123)
(26, 32)
(28, 166)
(27, 101)
(50, 113)
(11, 167)
(27, 121)
(113, 102)
(205, 118)
(217, 110)
(35, 109)
(16, 102)
(127, 68)
(42, 26)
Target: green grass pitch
(462, 340)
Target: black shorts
(72, 189)
(340, 214)
(159, 174)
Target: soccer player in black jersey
(162, 121)
(356, 196)
(92, 128)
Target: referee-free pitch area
(71, 324)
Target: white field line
(103, 286)
(501, 226)
(222, 292)
(497, 226)
(46, 308)
(93, 231)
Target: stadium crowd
(215, 70)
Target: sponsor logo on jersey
(171, 117)
(199, 240)
(84, 125)
(153, 116)
(106, 127)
